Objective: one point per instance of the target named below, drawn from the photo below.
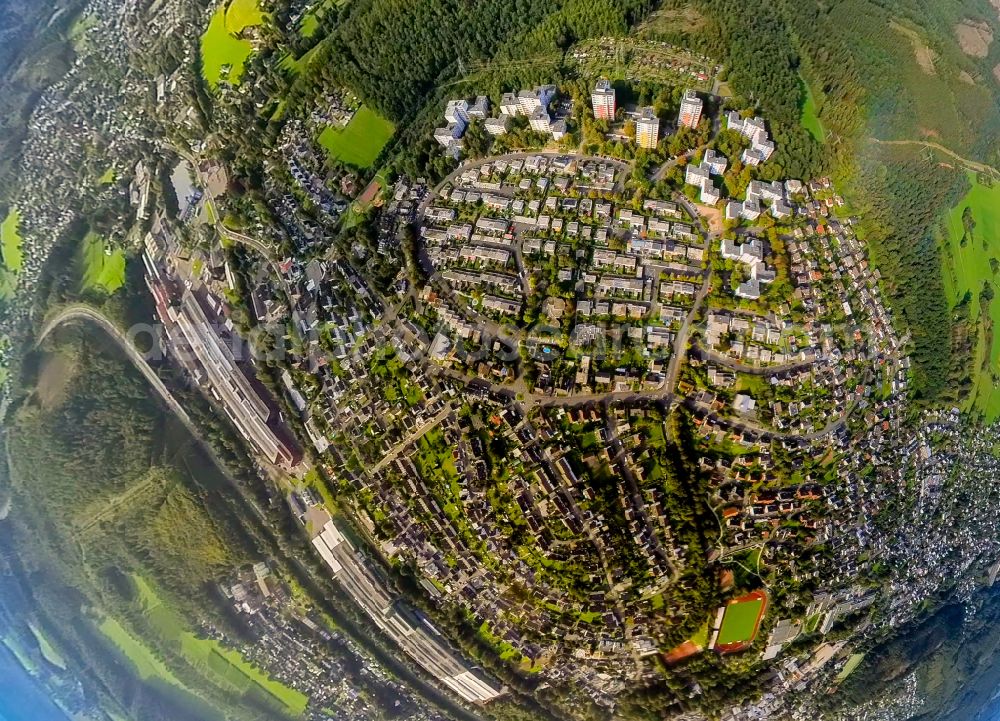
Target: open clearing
(685, 20)
(810, 115)
(101, 271)
(966, 269)
(924, 55)
(852, 663)
(213, 660)
(310, 20)
(147, 665)
(741, 622)
(974, 38)
(10, 241)
(360, 143)
(223, 55)
(243, 14)
(58, 371)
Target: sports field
(100, 270)
(361, 141)
(741, 622)
(10, 241)
(220, 46)
(967, 266)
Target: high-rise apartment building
(691, 107)
(603, 99)
(647, 128)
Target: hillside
(904, 69)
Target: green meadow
(101, 271)
(215, 662)
(309, 25)
(49, 653)
(146, 664)
(10, 241)
(220, 46)
(360, 143)
(967, 267)
(810, 114)
(243, 14)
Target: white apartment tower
(647, 128)
(691, 107)
(603, 99)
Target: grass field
(361, 141)
(966, 269)
(295, 67)
(852, 663)
(739, 624)
(10, 241)
(213, 660)
(310, 21)
(108, 178)
(147, 665)
(810, 117)
(48, 652)
(77, 34)
(100, 270)
(243, 14)
(700, 639)
(220, 48)
(309, 26)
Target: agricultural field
(360, 143)
(10, 242)
(741, 622)
(147, 665)
(209, 657)
(971, 251)
(101, 271)
(223, 54)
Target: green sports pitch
(741, 620)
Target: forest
(105, 486)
